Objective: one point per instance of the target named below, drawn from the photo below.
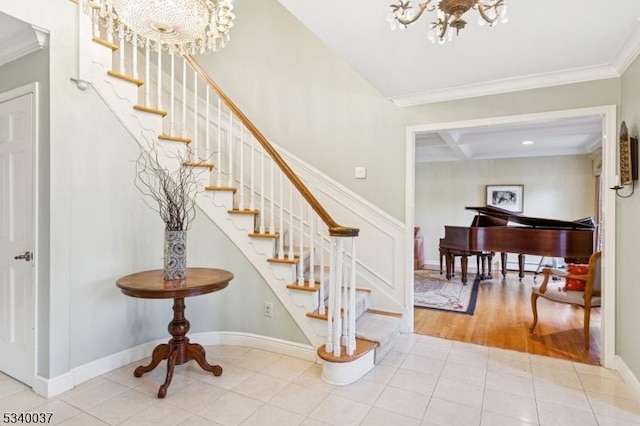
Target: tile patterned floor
(423, 381)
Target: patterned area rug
(434, 291)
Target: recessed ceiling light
(527, 142)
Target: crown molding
(507, 85)
(622, 59)
(28, 39)
(628, 52)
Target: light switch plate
(361, 172)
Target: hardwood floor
(502, 318)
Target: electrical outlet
(268, 309)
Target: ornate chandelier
(448, 15)
(184, 26)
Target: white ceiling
(545, 43)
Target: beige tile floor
(423, 381)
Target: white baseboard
(54, 386)
(628, 376)
(49, 388)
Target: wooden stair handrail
(335, 229)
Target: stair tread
(376, 327)
(173, 138)
(360, 295)
(221, 188)
(265, 235)
(125, 77)
(363, 347)
(243, 211)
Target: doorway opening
(605, 116)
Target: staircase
(168, 103)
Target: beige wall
(304, 98)
(628, 235)
(560, 187)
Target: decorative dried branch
(174, 191)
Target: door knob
(26, 256)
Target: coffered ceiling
(568, 136)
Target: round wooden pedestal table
(178, 351)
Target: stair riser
(244, 221)
(221, 198)
(264, 246)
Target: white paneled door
(17, 285)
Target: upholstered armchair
(588, 298)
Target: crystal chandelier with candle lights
(449, 15)
(183, 26)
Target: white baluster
(134, 55)
(351, 343)
(301, 243)
(207, 142)
(230, 148)
(241, 195)
(252, 198)
(159, 78)
(147, 81)
(219, 162)
(291, 254)
(194, 131)
(312, 260)
(184, 98)
(109, 27)
(172, 96)
(281, 239)
(121, 51)
(95, 18)
(262, 194)
(272, 220)
(321, 292)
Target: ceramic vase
(175, 255)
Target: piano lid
(536, 222)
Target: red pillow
(573, 284)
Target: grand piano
(491, 232)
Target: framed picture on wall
(508, 197)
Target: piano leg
(503, 261)
(441, 256)
(484, 266)
(521, 266)
(478, 256)
(464, 260)
(448, 258)
(489, 267)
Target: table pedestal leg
(178, 351)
